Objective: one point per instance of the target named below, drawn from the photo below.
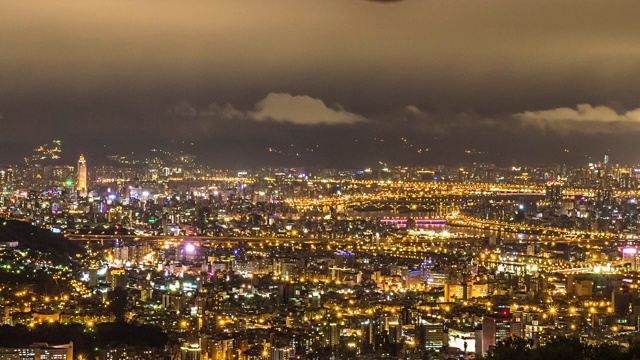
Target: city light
(372, 179)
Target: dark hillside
(54, 246)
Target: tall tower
(82, 177)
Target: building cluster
(395, 263)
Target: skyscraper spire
(82, 176)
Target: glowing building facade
(82, 177)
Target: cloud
(441, 122)
(278, 107)
(582, 113)
(302, 110)
(184, 109)
(412, 109)
(224, 112)
(585, 119)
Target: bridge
(419, 222)
(188, 238)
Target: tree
(608, 351)
(562, 348)
(118, 303)
(510, 348)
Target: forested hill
(32, 238)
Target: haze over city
(508, 80)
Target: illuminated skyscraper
(118, 279)
(82, 176)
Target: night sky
(343, 83)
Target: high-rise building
(526, 325)
(6, 181)
(190, 351)
(554, 192)
(82, 177)
(431, 334)
(333, 335)
(118, 279)
(495, 328)
(280, 353)
(392, 329)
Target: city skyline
(357, 82)
(51, 155)
(311, 180)
(400, 263)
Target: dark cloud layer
(506, 80)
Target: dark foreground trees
(86, 340)
(562, 348)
